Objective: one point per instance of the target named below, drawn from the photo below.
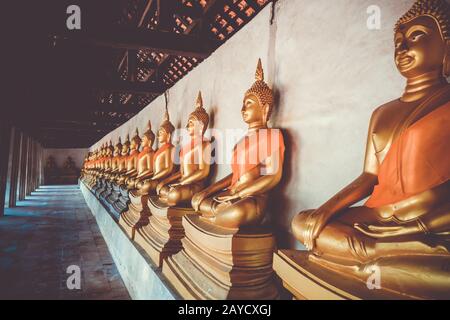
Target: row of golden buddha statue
(212, 240)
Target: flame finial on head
(261, 90)
(200, 113)
(149, 133)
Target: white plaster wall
(61, 155)
(329, 71)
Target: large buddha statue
(403, 228)
(194, 162)
(240, 199)
(227, 247)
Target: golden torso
(145, 162)
(189, 163)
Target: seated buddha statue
(194, 162)
(404, 226)
(240, 199)
(122, 162)
(227, 246)
(130, 174)
(154, 167)
(109, 176)
(162, 165)
(107, 168)
(144, 161)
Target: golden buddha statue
(229, 238)
(240, 199)
(144, 161)
(158, 166)
(107, 168)
(110, 176)
(195, 161)
(123, 162)
(403, 228)
(161, 236)
(163, 159)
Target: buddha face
(419, 47)
(252, 112)
(125, 149)
(194, 127)
(144, 141)
(163, 136)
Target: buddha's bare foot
(340, 266)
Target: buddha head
(135, 141)
(149, 137)
(258, 101)
(126, 146)
(198, 120)
(422, 39)
(118, 148)
(165, 130)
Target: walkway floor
(50, 231)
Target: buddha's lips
(404, 61)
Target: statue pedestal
(221, 263)
(121, 204)
(161, 237)
(307, 280)
(137, 215)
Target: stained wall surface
(329, 72)
(60, 156)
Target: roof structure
(78, 85)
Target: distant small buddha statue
(110, 175)
(107, 168)
(50, 170)
(162, 159)
(194, 162)
(240, 199)
(123, 162)
(131, 172)
(404, 226)
(144, 161)
(154, 167)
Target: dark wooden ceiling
(70, 88)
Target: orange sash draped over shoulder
(254, 148)
(161, 149)
(418, 160)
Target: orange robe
(254, 148)
(418, 160)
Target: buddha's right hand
(316, 221)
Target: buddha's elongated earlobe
(447, 60)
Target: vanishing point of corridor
(44, 235)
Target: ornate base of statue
(306, 279)
(161, 237)
(121, 204)
(221, 263)
(106, 192)
(101, 187)
(136, 216)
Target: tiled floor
(50, 231)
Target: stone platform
(141, 277)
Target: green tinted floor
(48, 232)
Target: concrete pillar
(11, 195)
(5, 141)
